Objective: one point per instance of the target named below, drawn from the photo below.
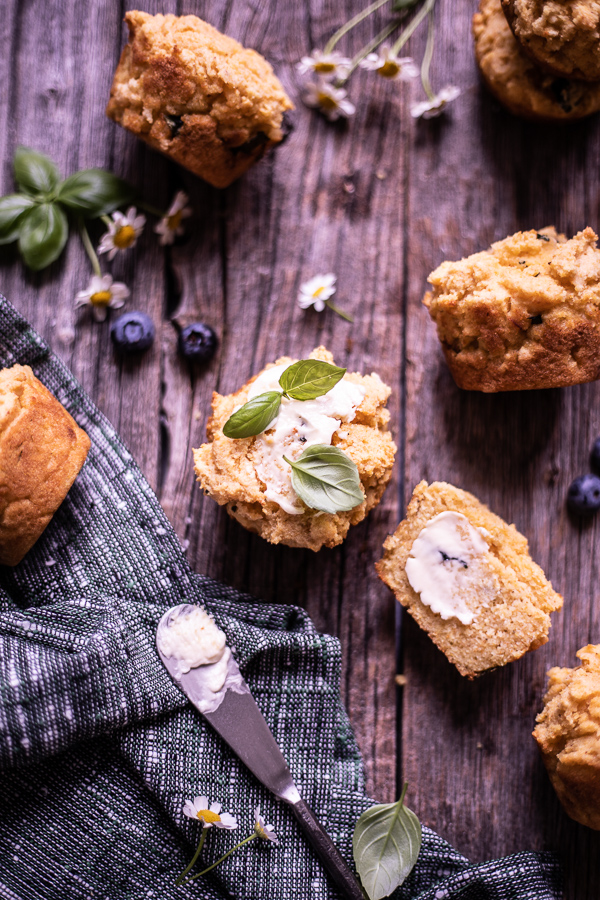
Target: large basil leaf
(43, 235)
(93, 192)
(386, 844)
(35, 173)
(326, 479)
(12, 208)
(254, 417)
(310, 378)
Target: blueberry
(583, 496)
(197, 342)
(132, 332)
(595, 457)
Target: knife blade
(239, 721)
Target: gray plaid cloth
(98, 748)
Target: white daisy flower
(170, 226)
(326, 65)
(198, 808)
(428, 109)
(266, 832)
(316, 291)
(331, 101)
(101, 294)
(389, 65)
(123, 232)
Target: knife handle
(333, 861)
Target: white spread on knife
(447, 568)
(299, 424)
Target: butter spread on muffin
(248, 476)
(197, 95)
(524, 314)
(568, 735)
(475, 590)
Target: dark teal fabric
(98, 748)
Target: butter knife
(239, 721)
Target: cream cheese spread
(446, 567)
(299, 424)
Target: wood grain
(380, 202)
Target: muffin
(42, 450)
(250, 478)
(467, 579)
(561, 36)
(517, 82)
(568, 735)
(524, 314)
(197, 95)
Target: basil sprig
(36, 217)
(306, 379)
(325, 478)
(386, 844)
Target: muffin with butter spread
(467, 579)
(254, 476)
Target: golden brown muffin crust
(517, 82)
(516, 618)
(42, 450)
(524, 314)
(568, 735)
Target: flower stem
(370, 47)
(427, 57)
(225, 855)
(404, 789)
(404, 37)
(339, 311)
(153, 210)
(89, 248)
(356, 20)
(107, 221)
(179, 880)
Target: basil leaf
(325, 478)
(12, 208)
(310, 378)
(35, 173)
(254, 417)
(399, 5)
(93, 192)
(386, 844)
(43, 235)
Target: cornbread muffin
(467, 579)
(41, 451)
(561, 36)
(568, 734)
(249, 478)
(197, 95)
(524, 314)
(519, 83)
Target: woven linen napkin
(99, 749)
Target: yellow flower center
(174, 221)
(389, 69)
(208, 817)
(318, 291)
(124, 237)
(100, 298)
(327, 102)
(325, 68)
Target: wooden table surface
(380, 202)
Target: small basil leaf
(386, 844)
(35, 173)
(326, 479)
(12, 209)
(254, 417)
(43, 235)
(93, 192)
(310, 378)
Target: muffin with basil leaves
(299, 453)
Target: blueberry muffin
(250, 478)
(561, 36)
(42, 450)
(568, 735)
(197, 95)
(517, 82)
(523, 315)
(467, 579)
